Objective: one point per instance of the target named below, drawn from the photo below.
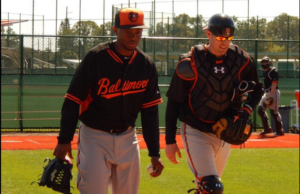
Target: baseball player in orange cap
(114, 82)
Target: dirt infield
(30, 141)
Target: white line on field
(32, 141)
(285, 141)
(257, 140)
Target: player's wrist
(168, 142)
(63, 141)
(154, 155)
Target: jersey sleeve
(274, 76)
(152, 95)
(76, 93)
(177, 90)
(68, 122)
(150, 127)
(82, 80)
(171, 117)
(176, 94)
(149, 114)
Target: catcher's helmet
(221, 24)
(265, 62)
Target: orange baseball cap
(130, 18)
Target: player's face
(128, 39)
(218, 45)
(265, 65)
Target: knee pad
(210, 185)
(275, 115)
(260, 111)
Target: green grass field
(248, 171)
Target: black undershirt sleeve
(149, 117)
(68, 122)
(171, 120)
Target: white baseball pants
(206, 153)
(107, 161)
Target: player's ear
(115, 29)
(208, 34)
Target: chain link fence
(36, 71)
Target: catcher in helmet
(209, 83)
(270, 99)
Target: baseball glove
(235, 130)
(240, 93)
(57, 175)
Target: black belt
(118, 131)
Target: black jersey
(109, 92)
(270, 76)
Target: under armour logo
(221, 69)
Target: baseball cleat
(279, 134)
(264, 132)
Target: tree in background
(85, 29)
(10, 41)
(105, 30)
(71, 46)
(284, 27)
(66, 45)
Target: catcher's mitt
(240, 93)
(234, 130)
(57, 175)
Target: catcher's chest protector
(213, 88)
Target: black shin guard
(264, 118)
(277, 120)
(209, 185)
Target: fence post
(287, 45)
(20, 101)
(144, 44)
(168, 65)
(255, 110)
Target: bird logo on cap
(133, 16)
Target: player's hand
(157, 166)
(269, 101)
(62, 150)
(171, 150)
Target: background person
(270, 99)
(114, 82)
(200, 94)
